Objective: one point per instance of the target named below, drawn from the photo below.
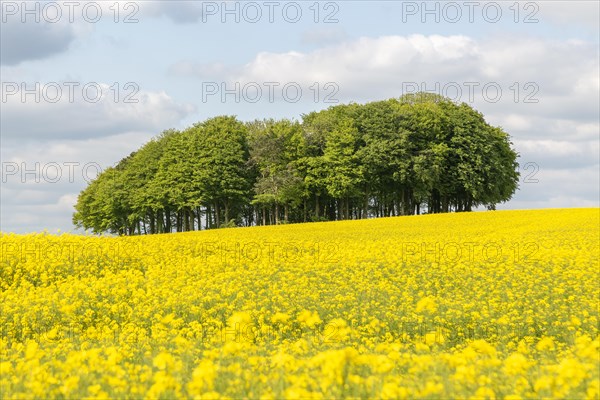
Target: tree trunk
(348, 208)
(168, 222)
(305, 209)
(217, 214)
(159, 221)
(226, 212)
(365, 213)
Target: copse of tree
(419, 153)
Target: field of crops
(471, 305)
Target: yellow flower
(163, 361)
(200, 315)
(309, 318)
(516, 364)
(393, 391)
(483, 347)
(427, 304)
(32, 350)
(280, 317)
(203, 378)
(240, 319)
(543, 383)
(545, 344)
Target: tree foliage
(418, 153)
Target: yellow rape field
(499, 304)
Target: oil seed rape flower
(351, 315)
(309, 318)
(516, 364)
(163, 361)
(203, 378)
(427, 304)
(545, 344)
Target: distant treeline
(419, 153)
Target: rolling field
(500, 304)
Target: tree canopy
(418, 153)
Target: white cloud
(33, 193)
(359, 63)
(38, 30)
(77, 115)
(585, 13)
(33, 41)
(516, 121)
(558, 153)
(529, 76)
(550, 187)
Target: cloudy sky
(86, 83)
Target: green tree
(383, 158)
(275, 148)
(222, 165)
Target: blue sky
(530, 67)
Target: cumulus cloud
(33, 41)
(518, 77)
(365, 64)
(551, 187)
(84, 110)
(54, 213)
(41, 179)
(37, 30)
(559, 153)
(586, 13)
